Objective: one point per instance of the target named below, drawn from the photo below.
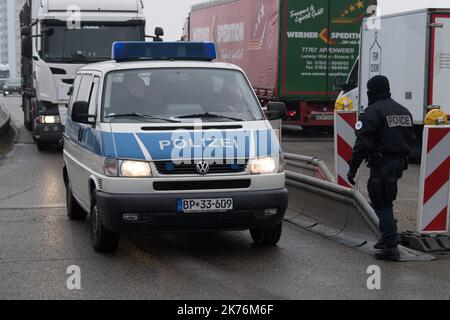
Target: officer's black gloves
(351, 178)
(351, 174)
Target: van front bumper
(158, 212)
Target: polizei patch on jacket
(399, 121)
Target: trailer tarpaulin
(320, 41)
(246, 33)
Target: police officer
(385, 139)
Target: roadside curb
(5, 121)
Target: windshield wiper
(138, 115)
(209, 115)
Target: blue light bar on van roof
(136, 51)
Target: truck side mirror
(25, 31)
(276, 110)
(27, 47)
(159, 32)
(339, 83)
(80, 113)
(49, 31)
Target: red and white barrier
(434, 195)
(344, 139)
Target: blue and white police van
(163, 139)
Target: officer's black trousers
(383, 189)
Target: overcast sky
(171, 14)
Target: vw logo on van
(202, 167)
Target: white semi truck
(59, 37)
(413, 50)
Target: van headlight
(264, 165)
(135, 169)
(127, 168)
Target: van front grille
(169, 168)
(202, 185)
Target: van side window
(84, 92)
(76, 86)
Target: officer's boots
(391, 254)
(384, 244)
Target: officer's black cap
(378, 84)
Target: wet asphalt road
(38, 243)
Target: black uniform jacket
(386, 128)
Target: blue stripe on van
(162, 145)
(127, 147)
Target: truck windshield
(181, 95)
(91, 43)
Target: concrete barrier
(338, 213)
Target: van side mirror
(276, 111)
(25, 31)
(80, 113)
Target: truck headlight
(137, 169)
(264, 166)
(49, 119)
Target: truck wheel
(416, 155)
(103, 240)
(27, 113)
(41, 146)
(74, 210)
(267, 236)
(27, 125)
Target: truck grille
(169, 168)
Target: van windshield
(175, 95)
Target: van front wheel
(74, 210)
(267, 236)
(103, 240)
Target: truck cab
(59, 37)
(164, 139)
(419, 79)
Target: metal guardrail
(336, 212)
(318, 204)
(309, 166)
